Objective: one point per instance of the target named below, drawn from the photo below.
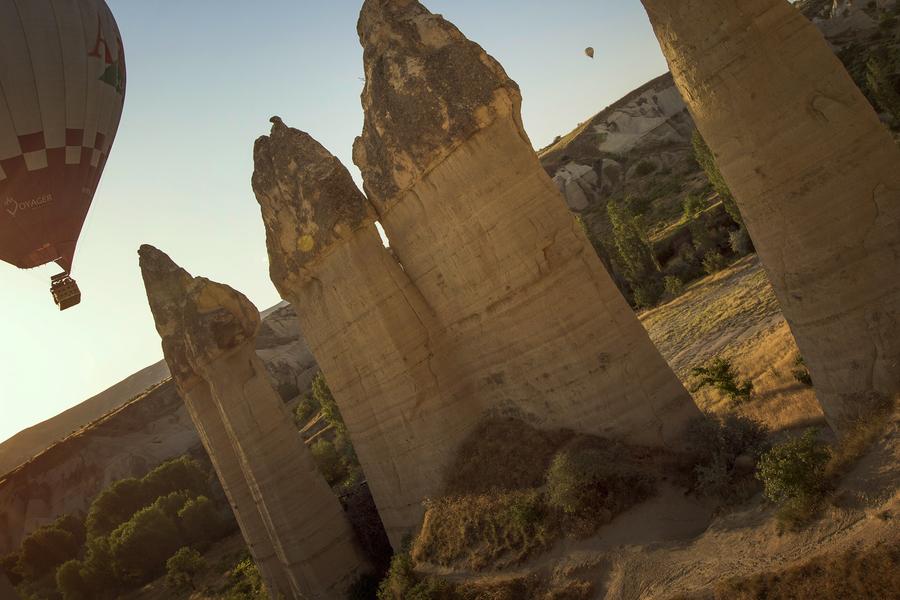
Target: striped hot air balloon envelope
(62, 87)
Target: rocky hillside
(639, 148)
(132, 439)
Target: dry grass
(873, 574)
(857, 439)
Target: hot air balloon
(62, 87)
(589, 52)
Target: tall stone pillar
(300, 516)
(166, 284)
(486, 237)
(382, 352)
(816, 177)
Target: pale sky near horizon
(204, 76)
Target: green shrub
(794, 477)
(720, 374)
(726, 450)
(713, 262)
(644, 168)
(692, 206)
(328, 461)
(402, 583)
(245, 582)
(801, 373)
(740, 241)
(141, 546)
(182, 568)
(673, 285)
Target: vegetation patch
(516, 490)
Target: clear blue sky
(204, 78)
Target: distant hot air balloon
(62, 86)
(589, 52)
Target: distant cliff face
(132, 439)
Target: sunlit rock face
(486, 238)
(386, 358)
(490, 297)
(293, 523)
(816, 177)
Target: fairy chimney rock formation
(300, 515)
(384, 356)
(816, 177)
(167, 286)
(486, 238)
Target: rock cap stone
(308, 199)
(428, 89)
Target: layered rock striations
(166, 285)
(377, 342)
(484, 235)
(293, 523)
(816, 177)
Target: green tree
(70, 582)
(183, 473)
(141, 545)
(183, 567)
(115, 505)
(44, 550)
(98, 569)
(200, 521)
(636, 255)
(707, 160)
(9, 566)
(879, 77)
(331, 412)
(329, 461)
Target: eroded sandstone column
(815, 174)
(484, 234)
(213, 329)
(382, 352)
(167, 285)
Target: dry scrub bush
(484, 531)
(589, 486)
(503, 454)
(874, 573)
